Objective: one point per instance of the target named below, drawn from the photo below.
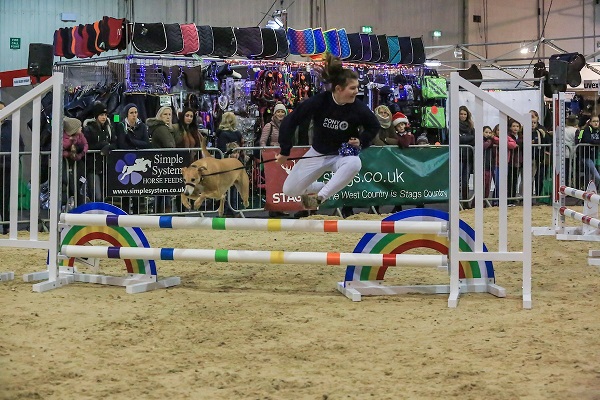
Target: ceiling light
(433, 63)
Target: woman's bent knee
(353, 164)
(291, 189)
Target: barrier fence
(76, 192)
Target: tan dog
(210, 178)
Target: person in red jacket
(405, 138)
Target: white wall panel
(519, 21)
(34, 21)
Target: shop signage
(165, 101)
(366, 29)
(15, 43)
(22, 81)
(389, 176)
(590, 84)
(146, 172)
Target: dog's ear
(202, 168)
(184, 170)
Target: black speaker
(41, 59)
(557, 72)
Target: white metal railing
(13, 110)
(502, 253)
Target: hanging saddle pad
(191, 41)
(356, 47)
(193, 77)
(82, 46)
(67, 41)
(149, 37)
(171, 75)
(344, 44)
(174, 38)
(332, 42)
(75, 40)
(405, 49)
(366, 46)
(375, 49)
(102, 33)
(249, 41)
(394, 49)
(385, 50)
(283, 46)
(300, 41)
(57, 44)
(224, 42)
(320, 45)
(418, 50)
(117, 40)
(269, 43)
(91, 39)
(205, 35)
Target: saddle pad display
(344, 44)
(300, 41)
(149, 37)
(356, 47)
(375, 49)
(249, 41)
(385, 50)
(366, 46)
(283, 48)
(418, 50)
(320, 45)
(205, 35)
(405, 50)
(394, 49)
(224, 42)
(269, 43)
(174, 38)
(332, 42)
(191, 42)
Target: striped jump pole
(250, 224)
(586, 219)
(252, 256)
(580, 194)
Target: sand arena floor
(249, 331)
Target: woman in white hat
(270, 132)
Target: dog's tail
(205, 152)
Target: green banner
(391, 176)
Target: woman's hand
(281, 159)
(354, 142)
